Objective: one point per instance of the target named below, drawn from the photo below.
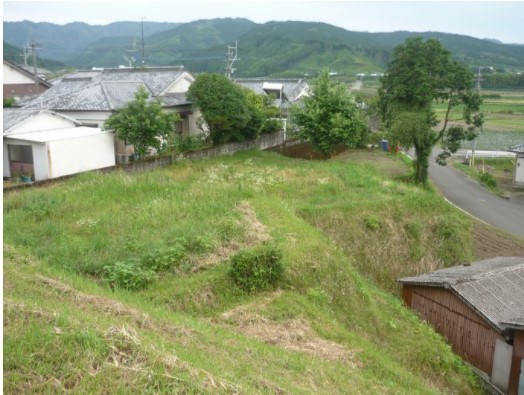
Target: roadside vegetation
(122, 281)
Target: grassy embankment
(334, 324)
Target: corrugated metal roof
(492, 287)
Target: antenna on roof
(128, 56)
(232, 56)
(143, 47)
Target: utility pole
(33, 47)
(232, 56)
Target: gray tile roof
(517, 148)
(14, 116)
(105, 90)
(494, 288)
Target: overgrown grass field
(122, 282)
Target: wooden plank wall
(469, 335)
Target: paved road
(471, 197)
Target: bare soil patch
(490, 242)
(295, 334)
(255, 234)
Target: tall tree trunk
(421, 164)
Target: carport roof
(56, 134)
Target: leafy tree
(421, 74)
(329, 117)
(264, 114)
(142, 122)
(223, 106)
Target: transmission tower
(232, 57)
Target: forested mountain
(16, 55)
(65, 42)
(270, 49)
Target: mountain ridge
(284, 49)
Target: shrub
(128, 275)
(257, 269)
(373, 222)
(487, 179)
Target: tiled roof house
(19, 83)
(92, 96)
(479, 308)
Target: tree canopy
(329, 117)
(232, 113)
(421, 74)
(142, 122)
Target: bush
(372, 222)
(487, 179)
(257, 269)
(128, 275)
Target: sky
(501, 20)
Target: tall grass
(346, 233)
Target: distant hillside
(65, 42)
(15, 55)
(270, 49)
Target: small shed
(43, 144)
(479, 309)
(519, 165)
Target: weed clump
(487, 179)
(256, 269)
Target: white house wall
(7, 170)
(13, 76)
(77, 155)
(181, 85)
(519, 173)
(90, 118)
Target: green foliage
(487, 179)
(224, 108)
(137, 273)
(257, 269)
(329, 117)
(142, 123)
(264, 113)
(421, 74)
(503, 81)
(409, 129)
(183, 144)
(130, 275)
(232, 113)
(9, 102)
(373, 222)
